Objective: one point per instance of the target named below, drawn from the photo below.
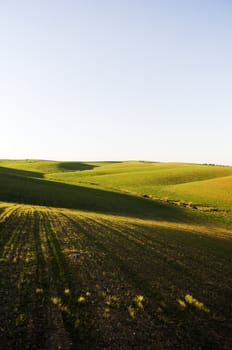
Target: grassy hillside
(44, 166)
(216, 192)
(201, 184)
(111, 186)
(88, 262)
(137, 174)
(20, 189)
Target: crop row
(72, 279)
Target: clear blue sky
(116, 80)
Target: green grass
(45, 166)
(88, 262)
(42, 192)
(39, 166)
(201, 184)
(215, 192)
(137, 174)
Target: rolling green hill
(203, 185)
(44, 166)
(91, 258)
(22, 189)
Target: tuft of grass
(189, 299)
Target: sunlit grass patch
(39, 291)
(111, 300)
(81, 299)
(58, 302)
(131, 311)
(67, 291)
(189, 299)
(182, 303)
(139, 300)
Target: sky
(116, 80)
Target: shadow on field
(38, 289)
(75, 166)
(42, 192)
(10, 171)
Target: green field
(106, 255)
(203, 185)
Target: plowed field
(80, 280)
